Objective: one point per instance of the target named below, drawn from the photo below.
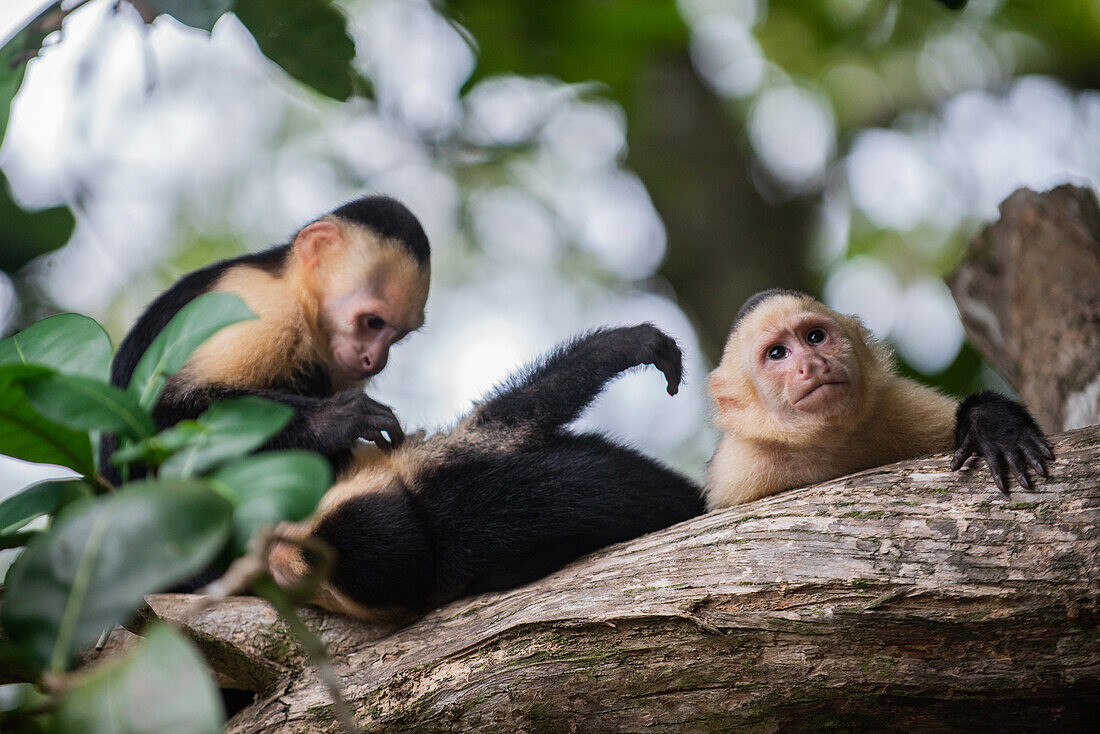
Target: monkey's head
(365, 272)
(366, 513)
(792, 366)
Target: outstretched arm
(327, 425)
(1005, 435)
(555, 391)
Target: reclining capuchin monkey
(804, 394)
(330, 305)
(507, 496)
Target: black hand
(660, 350)
(351, 415)
(1005, 435)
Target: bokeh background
(575, 163)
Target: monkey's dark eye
(373, 322)
(777, 352)
(816, 336)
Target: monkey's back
(506, 519)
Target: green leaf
(17, 540)
(19, 697)
(69, 343)
(195, 13)
(228, 429)
(307, 38)
(154, 450)
(28, 436)
(273, 487)
(160, 687)
(43, 498)
(26, 235)
(86, 404)
(100, 556)
(195, 323)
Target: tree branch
(905, 591)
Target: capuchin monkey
(804, 394)
(330, 305)
(507, 496)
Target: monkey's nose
(812, 366)
(375, 361)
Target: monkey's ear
(728, 406)
(285, 559)
(312, 240)
(720, 391)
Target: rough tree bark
(1029, 295)
(902, 598)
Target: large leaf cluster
(90, 551)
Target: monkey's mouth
(351, 367)
(355, 374)
(820, 395)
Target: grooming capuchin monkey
(330, 305)
(804, 394)
(507, 496)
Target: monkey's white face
(370, 293)
(361, 328)
(805, 364)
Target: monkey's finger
(387, 421)
(1043, 447)
(1034, 460)
(965, 450)
(996, 466)
(1035, 449)
(396, 438)
(1017, 465)
(378, 439)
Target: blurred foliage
(26, 235)
(572, 40)
(307, 38)
(866, 55)
(103, 548)
(870, 60)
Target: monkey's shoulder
(270, 350)
(169, 303)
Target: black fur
(391, 219)
(521, 500)
(1005, 435)
(323, 422)
(757, 298)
